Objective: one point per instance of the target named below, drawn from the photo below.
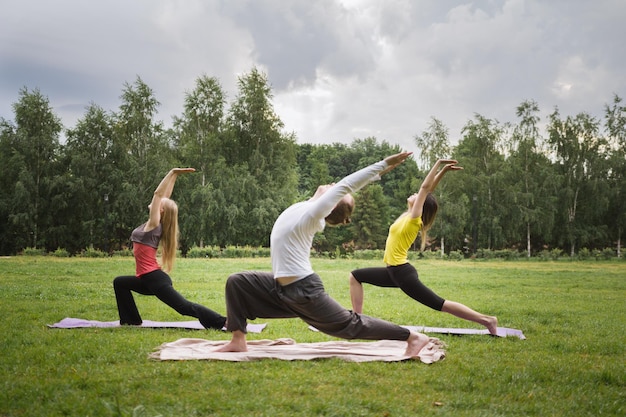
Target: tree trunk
(527, 239)
(443, 245)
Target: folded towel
(288, 349)
(73, 323)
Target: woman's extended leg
(464, 312)
(407, 279)
(207, 317)
(160, 285)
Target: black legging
(403, 277)
(159, 283)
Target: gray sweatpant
(255, 294)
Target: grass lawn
(573, 362)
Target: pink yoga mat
(74, 323)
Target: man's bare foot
(236, 344)
(415, 343)
(492, 325)
(232, 347)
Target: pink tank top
(145, 259)
(145, 246)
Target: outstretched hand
(450, 164)
(395, 160)
(435, 174)
(182, 170)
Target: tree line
(527, 186)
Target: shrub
(607, 254)
(427, 254)
(228, 252)
(485, 254)
(61, 253)
(123, 252)
(33, 252)
(237, 252)
(584, 254)
(262, 252)
(93, 253)
(368, 254)
(550, 255)
(544, 255)
(507, 254)
(456, 255)
(204, 252)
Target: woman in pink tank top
(150, 278)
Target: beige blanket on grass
(288, 349)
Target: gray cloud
(340, 69)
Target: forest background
(553, 186)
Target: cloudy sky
(339, 69)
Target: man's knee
(234, 278)
(234, 281)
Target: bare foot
(236, 344)
(415, 343)
(492, 325)
(232, 347)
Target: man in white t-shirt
(293, 289)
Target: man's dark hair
(341, 213)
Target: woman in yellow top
(399, 273)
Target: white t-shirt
(293, 231)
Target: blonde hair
(169, 235)
(429, 212)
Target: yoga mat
(73, 323)
(289, 350)
(502, 331)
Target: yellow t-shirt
(402, 234)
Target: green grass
(573, 362)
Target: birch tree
(579, 150)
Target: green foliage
(93, 253)
(91, 153)
(520, 188)
(581, 154)
(482, 179)
(456, 255)
(368, 254)
(504, 254)
(204, 252)
(433, 144)
(551, 255)
(33, 252)
(371, 218)
(230, 251)
(239, 252)
(30, 163)
(122, 253)
(605, 254)
(60, 253)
